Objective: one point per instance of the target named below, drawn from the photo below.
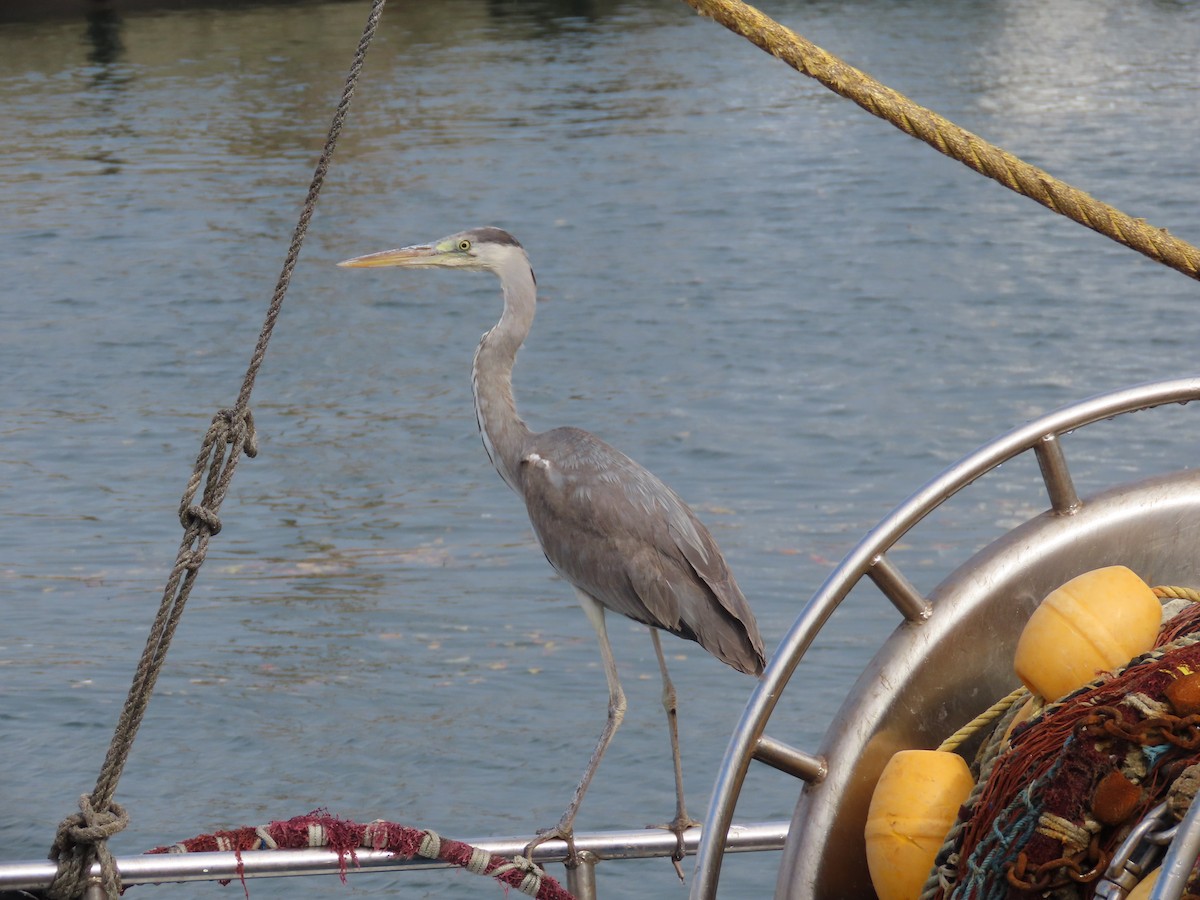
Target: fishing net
(1060, 792)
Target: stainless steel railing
(595, 847)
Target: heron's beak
(404, 256)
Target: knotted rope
(81, 838)
(947, 138)
(88, 829)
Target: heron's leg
(682, 821)
(564, 830)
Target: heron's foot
(677, 826)
(563, 831)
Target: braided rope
(949, 139)
(90, 828)
(1172, 592)
(1073, 837)
(983, 720)
(81, 837)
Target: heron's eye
(464, 245)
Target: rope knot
(531, 872)
(238, 429)
(82, 838)
(200, 516)
(91, 826)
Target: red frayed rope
(344, 837)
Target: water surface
(788, 310)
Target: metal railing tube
(639, 843)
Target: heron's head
(488, 249)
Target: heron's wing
(700, 551)
(613, 529)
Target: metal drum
(951, 657)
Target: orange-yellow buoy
(1094, 623)
(1141, 890)
(914, 805)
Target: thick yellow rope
(1171, 592)
(946, 137)
(984, 719)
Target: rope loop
(431, 845)
(531, 881)
(82, 837)
(90, 825)
(479, 862)
(238, 428)
(196, 516)
(249, 437)
(1173, 592)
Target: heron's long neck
(504, 434)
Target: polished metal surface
(933, 675)
(581, 877)
(1138, 854)
(929, 679)
(786, 758)
(1180, 859)
(1059, 484)
(897, 588)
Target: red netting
(321, 829)
(1055, 766)
(1184, 622)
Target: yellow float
(914, 805)
(1094, 623)
(1142, 889)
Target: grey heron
(618, 534)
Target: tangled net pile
(1055, 798)
(344, 837)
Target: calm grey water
(790, 311)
